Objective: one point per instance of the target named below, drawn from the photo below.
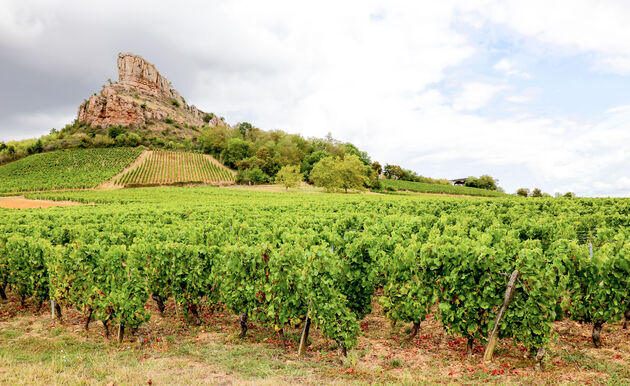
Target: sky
(535, 93)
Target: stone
(140, 97)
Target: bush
(115, 131)
(208, 117)
(253, 176)
(175, 103)
(523, 192)
(169, 120)
(483, 182)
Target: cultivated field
(423, 187)
(217, 285)
(169, 167)
(65, 169)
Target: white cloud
(578, 26)
(519, 99)
(369, 72)
(509, 68)
(475, 95)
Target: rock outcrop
(141, 97)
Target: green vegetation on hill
(65, 169)
(423, 187)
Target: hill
(423, 187)
(142, 109)
(168, 167)
(65, 169)
(143, 99)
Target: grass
(423, 187)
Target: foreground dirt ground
(34, 349)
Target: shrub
(115, 131)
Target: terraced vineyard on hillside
(169, 167)
(65, 169)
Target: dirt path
(19, 202)
(110, 185)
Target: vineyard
(423, 187)
(314, 262)
(168, 167)
(65, 169)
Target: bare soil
(19, 202)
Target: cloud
(396, 78)
(570, 26)
(475, 95)
(509, 68)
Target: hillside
(423, 187)
(168, 167)
(65, 169)
(143, 109)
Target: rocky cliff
(144, 99)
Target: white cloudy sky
(535, 93)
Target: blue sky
(534, 93)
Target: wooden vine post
(304, 338)
(494, 335)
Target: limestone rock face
(135, 73)
(141, 97)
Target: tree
(484, 182)
(536, 193)
(311, 159)
(244, 128)
(393, 172)
(236, 150)
(350, 149)
(214, 139)
(376, 166)
(352, 171)
(340, 174)
(523, 192)
(569, 194)
(325, 175)
(289, 176)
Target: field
(168, 167)
(177, 274)
(423, 187)
(65, 169)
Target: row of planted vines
(66, 169)
(291, 261)
(169, 167)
